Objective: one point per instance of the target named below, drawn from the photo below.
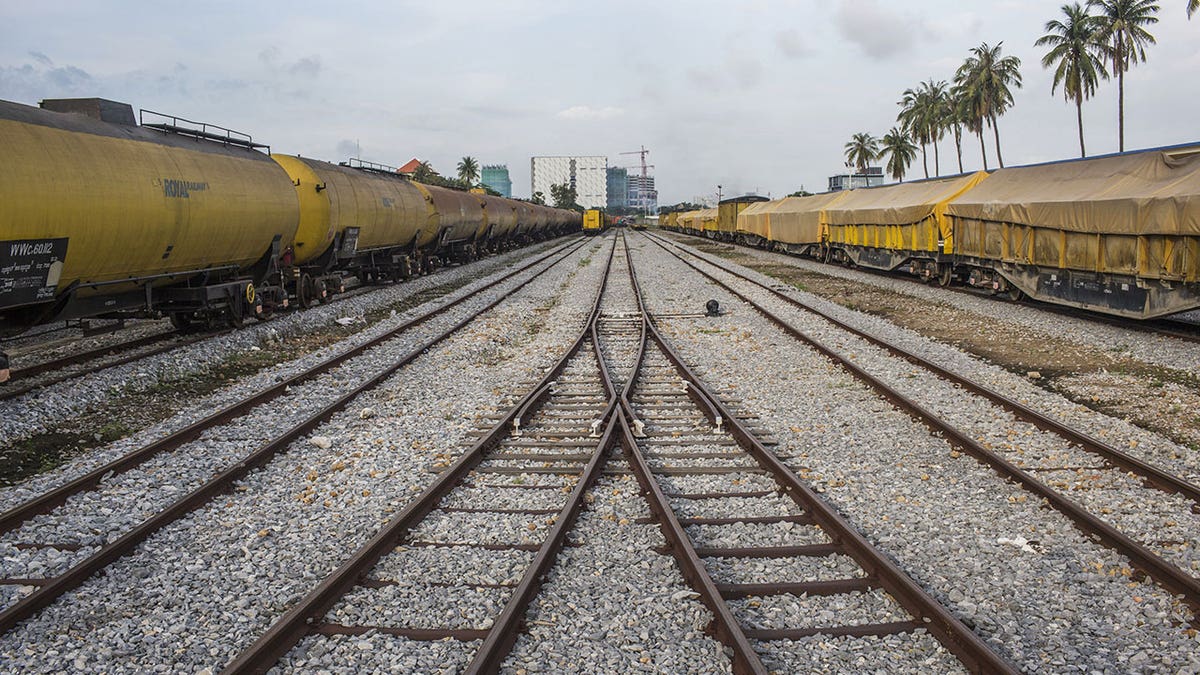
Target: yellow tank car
(101, 215)
(366, 222)
(501, 218)
(451, 221)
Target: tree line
(1087, 44)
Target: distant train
(104, 217)
(1117, 234)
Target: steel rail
(960, 640)
(298, 621)
(220, 483)
(1156, 567)
(1159, 325)
(1160, 479)
(88, 355)
(18, 515)
(93, 354)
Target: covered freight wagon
(792, 224)
(897, 225)
(1120, 234)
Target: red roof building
(410, 168)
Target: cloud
(309, 66)
(792, 44)
(583, 112)
(41, 58)
(880, 32)
(347, 148)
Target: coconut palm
(900, 151)
(468, 170)
(912, 117)
(968, 110)
(862, 149)
(953, 113)
(1077, 54)
(987, 79)
(936, 96)
(424, 173)
(1122, 24)
(923, 115)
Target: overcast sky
(750, 94)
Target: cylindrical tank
(457, 213)
(123, 202)
(501, 216)
(524, 218)
(388, 211)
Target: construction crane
(643, 152)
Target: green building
(496, 177)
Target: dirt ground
(1158, 399)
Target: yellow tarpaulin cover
(792, 220)
(900, 204)
(1154, 192)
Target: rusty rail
(1156, 567)
(222, 482)
(297, 622)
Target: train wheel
(184, 322)
(304, 291)
(1015, 294)
(947, 274)
(321, 291)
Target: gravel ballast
(1031, 584)
(209, 584)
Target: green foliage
(862, 149)
(426, 174)
(1077, 53)
(564, 196)
(985, 81)
(468, 170)
(538, 198)
(1122, 25)
(900, 151)
(679, 208)
(801, 193)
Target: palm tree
(862, 149)
(1078, 51)
(922, 113)
(1122, 25)
(468, 170)
(936, 96)
(424, 172)
(968, 109)
(1193, 5)
(912, 117)
(901, 151)
(986, 77)
(953, 115)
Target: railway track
(536, 465)
(142, 485)
(28, 379)
(1088, 480)
(1182, 329)
(38, 376)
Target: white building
(587, 174)
(642, 194)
